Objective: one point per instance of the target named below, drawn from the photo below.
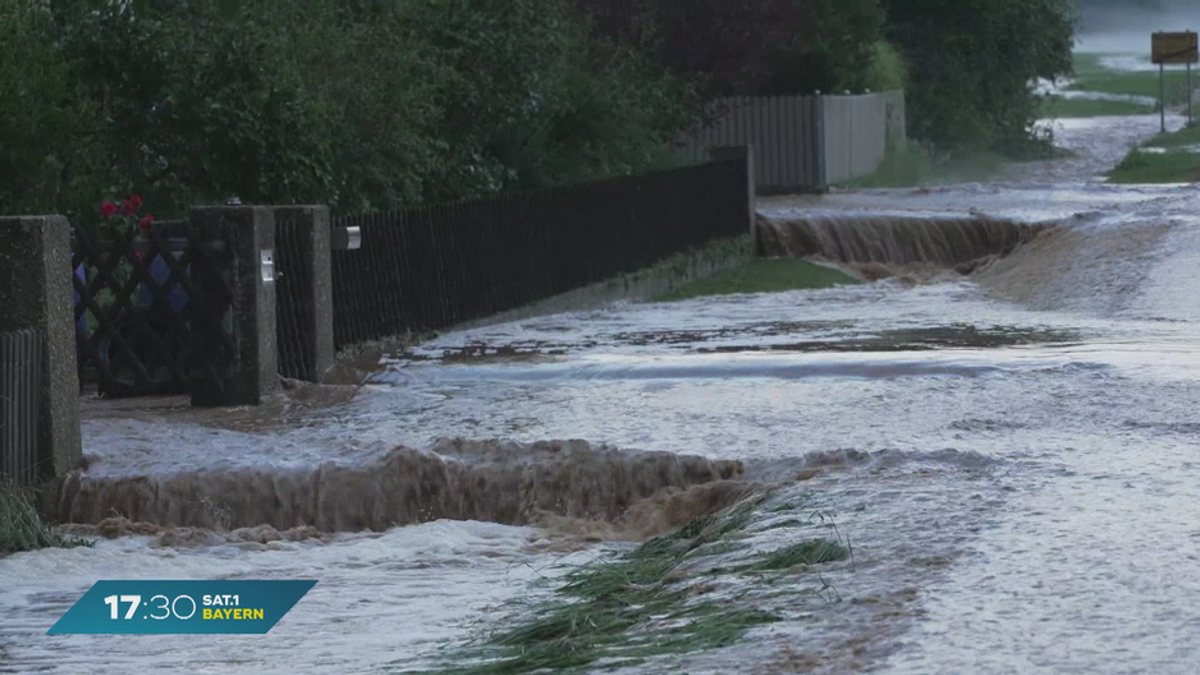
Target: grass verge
(625, 610)
(1057, 107)
(1091, 76)
(1189, 135)
(22, 527)
(1134, 83)
(1171, 164)
(765, 275)
(912, 166)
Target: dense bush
(740, 47)
(834, 47)
(887, 70)
(38, 114)
(356, 103)
(368, 104)
(971, 64)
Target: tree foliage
(37, 111)
(361, 104)
(971, 64)
(832, 49)
(373, 104)
(752, 46)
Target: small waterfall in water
(501, 482)
(877, 246)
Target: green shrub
(887, 71)
(360, 105)
(971, 63)
(22, 527)
(40, 120)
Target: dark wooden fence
(155, 310)
(20, 404)
(436, 266)
(142, 324)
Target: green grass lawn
(1172, 166)
(1091, 76)
(1186, 136)
(765, 275)
(912, 167)
(1056, 107)
(1088, 63)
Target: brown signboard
(1169, 48)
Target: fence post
(248, 232)
(35, 266)
(746, 154)
(818, 128)
(305, 320)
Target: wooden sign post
(1173, 48)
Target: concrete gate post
(35, 293)
(248, 232)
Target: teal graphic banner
(182, 607)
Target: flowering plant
(121, 224)
(119, 220)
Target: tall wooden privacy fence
(432, 267)
(806, 142)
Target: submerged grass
(622, 611)
(1057, 107)
(812, 552)
(22, 527)
(766, 275)
(1175, 162)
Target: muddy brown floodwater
(1007, 436)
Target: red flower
(108, 209)
(137, 201)
(144, 223)
(128, 207)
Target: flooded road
(1013, 455)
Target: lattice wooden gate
(144, 324)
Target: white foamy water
(380, 599)
(1013, 455)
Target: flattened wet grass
(22, 527)
(812, 552)
(622, 611)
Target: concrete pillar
(35, 292)
(248, 234)
(305, 292)
(746, 153)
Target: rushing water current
(1013, 454)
